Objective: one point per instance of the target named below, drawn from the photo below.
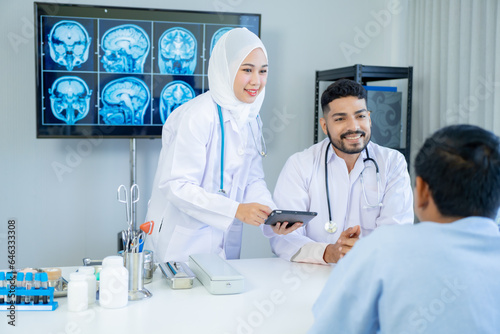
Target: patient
(438, 276)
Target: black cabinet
(364, 74)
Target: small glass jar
(77, 292)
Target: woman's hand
(253, 213)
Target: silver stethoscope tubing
(262, 152)
(331, 226)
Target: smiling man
(353, 184)
(440, 275)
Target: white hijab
(228, 54)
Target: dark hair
(341, 88)
(461, 165)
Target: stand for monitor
(133, 176)
(135, 261)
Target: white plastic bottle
(91, 281)
(113, 283)
(77, 292)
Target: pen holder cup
(134, 262)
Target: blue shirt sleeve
(348, 302)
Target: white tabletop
(278, 298)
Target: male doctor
(353, 184)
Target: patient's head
(461, 165)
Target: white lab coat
(301, 186)
(190, 216)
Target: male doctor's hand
(344, 244)
(253, 213)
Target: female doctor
(209, 178)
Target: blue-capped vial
(2, 285)
(28, 284)
(19, 286)
(36, 285)
(44, 283)
(9, 284)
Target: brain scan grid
(115, 72)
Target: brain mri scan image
(177, 52)
(217, 35)
(173, 95)
(69, 99)
(69, 44)
(125, 101)
(119, 71)
(126, 48)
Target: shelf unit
(364, 74)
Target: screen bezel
(63, 130)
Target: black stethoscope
(331, 226)
(262, 152)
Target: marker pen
(36, 284)
(44, 279)
(28, 284)
(2, 285)
(19, 286)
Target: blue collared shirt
(423, 278)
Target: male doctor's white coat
(301, 186)
(190, 215)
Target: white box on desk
(216, 274)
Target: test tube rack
(10, 294)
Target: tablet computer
(292, 217)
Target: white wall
(64, 218)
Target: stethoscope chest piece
(331, 226)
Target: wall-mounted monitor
(120, 72)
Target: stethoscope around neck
(262, 152)
(331, 226)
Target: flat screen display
(120, 72)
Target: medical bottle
(113, 283)
(91, 281)
(77, 292)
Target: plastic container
(77, 292)
(113, 283)
(149, 266)
(91, 281)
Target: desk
(278, 298)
